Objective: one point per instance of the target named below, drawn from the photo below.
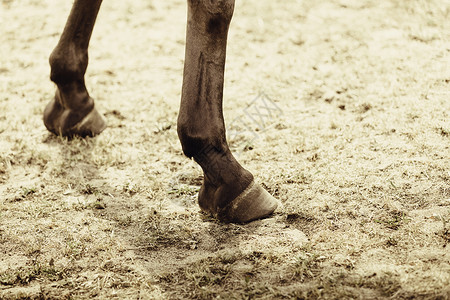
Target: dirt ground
(359, 155)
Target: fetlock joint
(68, 65)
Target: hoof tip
(91, 125)
(252, 204)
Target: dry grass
(359, 157)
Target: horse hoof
(252, 204)
(90, 125)
(58, 121)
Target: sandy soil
(359, 155)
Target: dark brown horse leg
(72, 111)
(228, 191)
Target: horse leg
(228, 191)
(72, 111)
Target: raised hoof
(57, 120)
(252, 204)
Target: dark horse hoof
(65, 122)
(252, 204)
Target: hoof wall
(91, 125)
(252, 204)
